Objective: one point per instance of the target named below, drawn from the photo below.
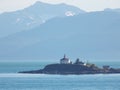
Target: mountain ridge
(33, 16)
(91, 35)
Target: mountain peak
(33, 16)
(39, 3)
(43, 6)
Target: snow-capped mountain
(33, 16)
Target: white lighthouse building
(65, 60)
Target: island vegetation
(78, 67)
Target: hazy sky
(87, 5)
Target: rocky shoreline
(72, 69)
(67, 67)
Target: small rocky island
(67, 67)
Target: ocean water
(11, 80)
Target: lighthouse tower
(65, 60)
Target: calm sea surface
(11, 80)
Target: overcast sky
(87, 5)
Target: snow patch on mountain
(69, 13)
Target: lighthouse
(65, 60)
